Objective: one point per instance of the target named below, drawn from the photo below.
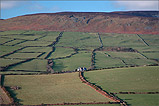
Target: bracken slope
(141, 22)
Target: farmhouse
(81, 69)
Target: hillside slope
(114, 22)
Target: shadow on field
(58, 65)
(13, 95)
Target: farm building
(81, 69)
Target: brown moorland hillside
(141, 22)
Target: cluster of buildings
(81, 69)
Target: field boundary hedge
(81, 103)
(11, 100)
(75, 52)
(49, 66)
(137, 93)
(98, 89)
(143, 40)
(13, 52)
(7, 42)
(14, 64)
(53, 45)
(8, 95)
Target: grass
(121, 40)
(139, 62)
(48, 89)
(34, 32)
(13, 42)
(51, 36)
(82, 41)
(5, 62)
(23, 55)
(141, 99)
(153, 41)
(11, 32)
(35, 43)
(82, 59)
(17, 72)
(79, 39)
(102, 61)
(36, 49)
(34, 65)
(61, 52)
(132, 58)
(8, 48)
(139, 79)
(22, 36)
(2, 53)
(147, 49)
(152, 55)
(131, 55)
(3, 40)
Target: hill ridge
(138, 22)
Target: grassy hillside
(142, 79)
(73, 50)
(49, 89)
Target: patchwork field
(140, 79)
(70, 50)
(36, 54)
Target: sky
(11, 8)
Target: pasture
(49, 89)
(73, 50)
(29, 52)
(82, 59)
(138, 79)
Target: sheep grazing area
(49, 89)
(42, 68)
(139, 85)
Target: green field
(36, 49)
(153, 41)
(141, 99)
(82, 59)
(121, 40)
(61, 52)
(18, 46)
(34, 65)
(5, 62)
(14, 42)
(12, 32)
(80, 40)
(103, 61)
(48, 89)
(23, 55)
(3, 40)
(8, 49)
(22, 36)
(141, 79)
(37, 42)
